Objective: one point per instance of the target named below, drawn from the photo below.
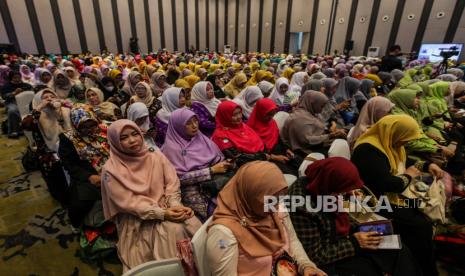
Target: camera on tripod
(446, 53)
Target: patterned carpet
(35, 235)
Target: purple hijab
(186, 154)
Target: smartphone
(381, 226)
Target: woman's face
(92, 97)
(236, 117)
(119, 78)
(60, 79)
(140, 121)
(141, 91)
(45, 77)
(131, 141)
(26, 70)
(283, 88)
(416, 103)
(242, 84)
(48, 97)
(161, 80)
(270, 115)
(192, 127)
(182, 99)
(70, 74)
(16, 79)
(210, 93)
(136, 79)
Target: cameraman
(391, 61)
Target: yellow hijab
(287, 73)
(192, 80)
(232, 89)
(259, 76)
(388, 136)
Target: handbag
(432, 197)
(284, 265)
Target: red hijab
(241, 137)
(334, 175)
(267, 130)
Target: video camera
(449, 52)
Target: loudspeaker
(349, 46)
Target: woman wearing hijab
(172, 99)
(346, 89)
(72, 74)
(197, 161)
(159, 84)
(298, 80)
(262, 122)
(381, 160)
(217, 83)
(128, 89)
(315, 85)
(110, 90)
(366, 87)
(236, 140)
(260, 75)
(83, 152)
(26, 75)
(104, 110)
(48, 119)
(43, 77)
(304, 132)
(9, 91)
(282, 96)
(242, 238)
(247, 99)
(407, 102)
(330, 238)
(139, 114)
(235, 85)
(141, 195)
(266, 87)
(375, 109)
(143, 94)
(62, 84)
(204, 104)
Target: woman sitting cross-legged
(331, 239)
(141, 195)
(198, 161)
(243, 238)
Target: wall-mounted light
(231, 26)
(242, 25)
(254, 25)
(281, 23)
(363, 19)
(440, 14)
(411, 16)
(267, 24)
(300, 23)
(385, 18)
(323, 21)
(341, 20)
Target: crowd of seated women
(159, 144)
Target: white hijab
(247, 99)
(277, 97)
(169, 103)
(199, 94)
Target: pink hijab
(134, 183)
(375, 109)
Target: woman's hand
(290, 154)
(95, 179)
(221, 167)
(436, 171)
(176, 214)
(368, 240)
(314, 271)
(412, 171)
(446, 152)
(279, 158)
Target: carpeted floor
(35, 236)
